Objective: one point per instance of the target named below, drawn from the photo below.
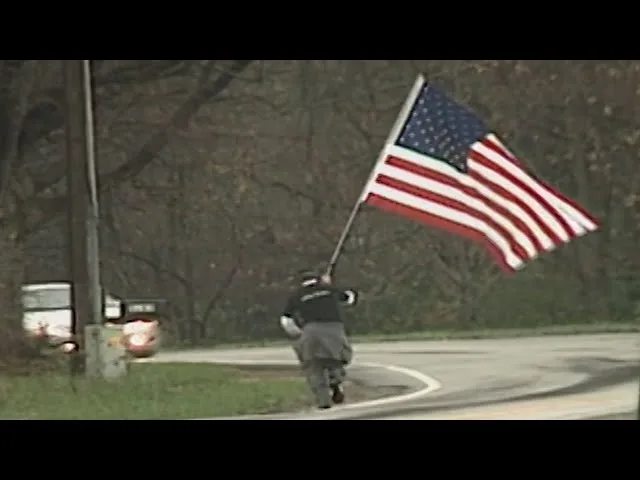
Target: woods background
(220, 179)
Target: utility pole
(82, 193)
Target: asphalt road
(569, 377)
(620, 416)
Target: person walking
(313, 320)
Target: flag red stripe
(510, 157)
(432, 220)
(552, 209)
(439, 177)
(507, 195)
(448, 202)
(568, 200)
(476, 156)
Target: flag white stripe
(506, 165)
(440, 166)
(556, 201)
(522, 196)
(474, 203)
(450, 214)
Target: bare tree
(221, 178)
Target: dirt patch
(356, 391)
(360, 392)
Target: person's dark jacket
(315, 301)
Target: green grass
(153, 391)
(476, 334)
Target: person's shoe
(337, 394)
(324, 407)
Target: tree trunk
(13, 345)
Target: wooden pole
(86, 297)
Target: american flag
(443, 167)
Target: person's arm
(347, 296)
(287, 320)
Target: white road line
(619, 399)
(430, 385)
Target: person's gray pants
(321, 377)
(323, 351)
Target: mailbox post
(106, 351)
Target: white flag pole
(393, 134)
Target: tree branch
(47, 208)
(153, 265)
